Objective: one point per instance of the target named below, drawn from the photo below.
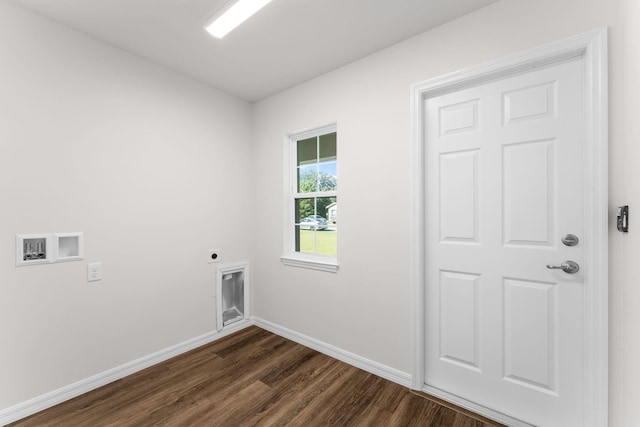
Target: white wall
(625, 249)
(150, 165)
(366, 307)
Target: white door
(503, 182)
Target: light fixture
(229, 18)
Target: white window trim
(291, 257)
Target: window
(311, 228)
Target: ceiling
(285, 44)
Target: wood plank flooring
(252, 378)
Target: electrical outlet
(214, 255)
(94, 271)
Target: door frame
(591, 49)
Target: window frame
(292, 257)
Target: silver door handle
(570, 267)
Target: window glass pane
(297, 237)
(305, 228)
(308, 178)
(327, 174)
(307, 151)
(327, 231)
(327, 179)
(306, 240)
(307, 165)
(322, 206)
(304, 208)
(332, 213)
(328, 150)
(327, 242)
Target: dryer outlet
(214, 255)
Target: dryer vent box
(232, 294)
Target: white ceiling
(285, 44)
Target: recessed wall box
(232, 293)
(47, 248)
(70, 246)
(33, 249)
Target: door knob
(569, 267)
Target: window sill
(329, 264)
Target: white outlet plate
(214, 256)
(94, 271)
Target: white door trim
(591, 48)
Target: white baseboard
(30, 407)
(386, 372)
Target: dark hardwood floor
(252, 378)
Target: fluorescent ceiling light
(234, 16)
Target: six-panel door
(503, 185)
